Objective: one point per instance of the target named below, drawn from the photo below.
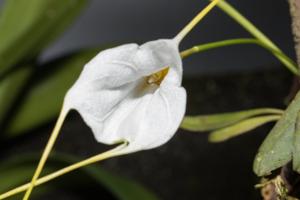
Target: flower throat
(157, 77)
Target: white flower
(132, 93)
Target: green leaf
(296, 146)
(216, 121)
(27, 26)
(277, 148)
(241, 127)
(45, 99)
(10, 87)
(20, 169)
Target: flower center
(157, 77)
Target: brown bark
(295, 16)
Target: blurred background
(222, 80)
(105, 22)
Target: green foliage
(22, 38)
(45, 98)
(216, 121)
(10, 87)
(27, 26)
(19, 170)
(240, 128)
(282, 143)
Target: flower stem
(46, 152)
(108, 154)
(238, 41)
(239, 18)
(218, 44)
(195, 21)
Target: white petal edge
(148, 121)
(110, 79)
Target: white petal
(146, 120)
(112, 97)
(95, 107)
(155, 55)
(161, 120)
(110, 68)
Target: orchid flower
(133, 94)
(130, 94)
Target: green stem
(239, 18)
(230, 42)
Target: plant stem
(230, 42)
(108, 154)
(239, 18)
(195, 21)
(46, 152)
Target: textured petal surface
(147, 118)
(157, 120)
(114, 99)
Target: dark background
(188, 167)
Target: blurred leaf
(45, 99)
(27, 26)
(215, 121)
(277, 148)
(10, 87)
(240, 128)
(20, 169)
